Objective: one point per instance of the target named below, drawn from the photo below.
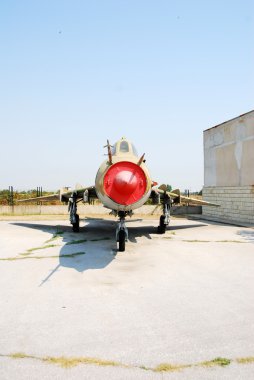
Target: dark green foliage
(24, 194)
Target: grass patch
(31, 250)
(166, 367)
(65, 362)
(247, 360)
(99, 239)
(57, 235)
(197, 241)
(76, 242)
(44, 247)
(69, 362)
(216, 241)
(216, 362)
(71, 255)
(19, 355)
(144, 368)
(230, 241)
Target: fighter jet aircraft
(122, 184)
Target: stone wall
(236, 203)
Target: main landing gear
(72, 208)
(165, 218)
(121, 230)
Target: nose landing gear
(121, 240)
(121, 231)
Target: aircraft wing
(45, 198)
(178, 198)
(81, 193)
(63, 195)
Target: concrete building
(229, 169)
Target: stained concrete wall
(229, 169)
(91, 210)
(229, 153)
(63, 210)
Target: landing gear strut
(165, 218)
(121, 231)
(72, 208)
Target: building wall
(229, 169)
(236, 203)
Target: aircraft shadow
(147, 231)
(94, 247)
(247, 235)
(185, 226)
(138, 231)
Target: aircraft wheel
(121, 238)
(75, 226)
(162, 226)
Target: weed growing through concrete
(216, 241)
(85, 240)
(145, 368)
(76, 241)
(31, 250)
(231, 241)
(20, 355)
(70, 255)
(64, 362)
(197, 241)
(99, 239)
(57, 235)
(216, 362)
(247, 360)
(70, 362)
(166, 367)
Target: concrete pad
(184, 298)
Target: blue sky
(74, 73)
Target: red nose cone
(125, 183)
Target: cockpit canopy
(124, 146)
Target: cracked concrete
(181, 299)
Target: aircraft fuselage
(123, 182)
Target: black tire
(121, 238)
(75, 226)
(162, 226)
